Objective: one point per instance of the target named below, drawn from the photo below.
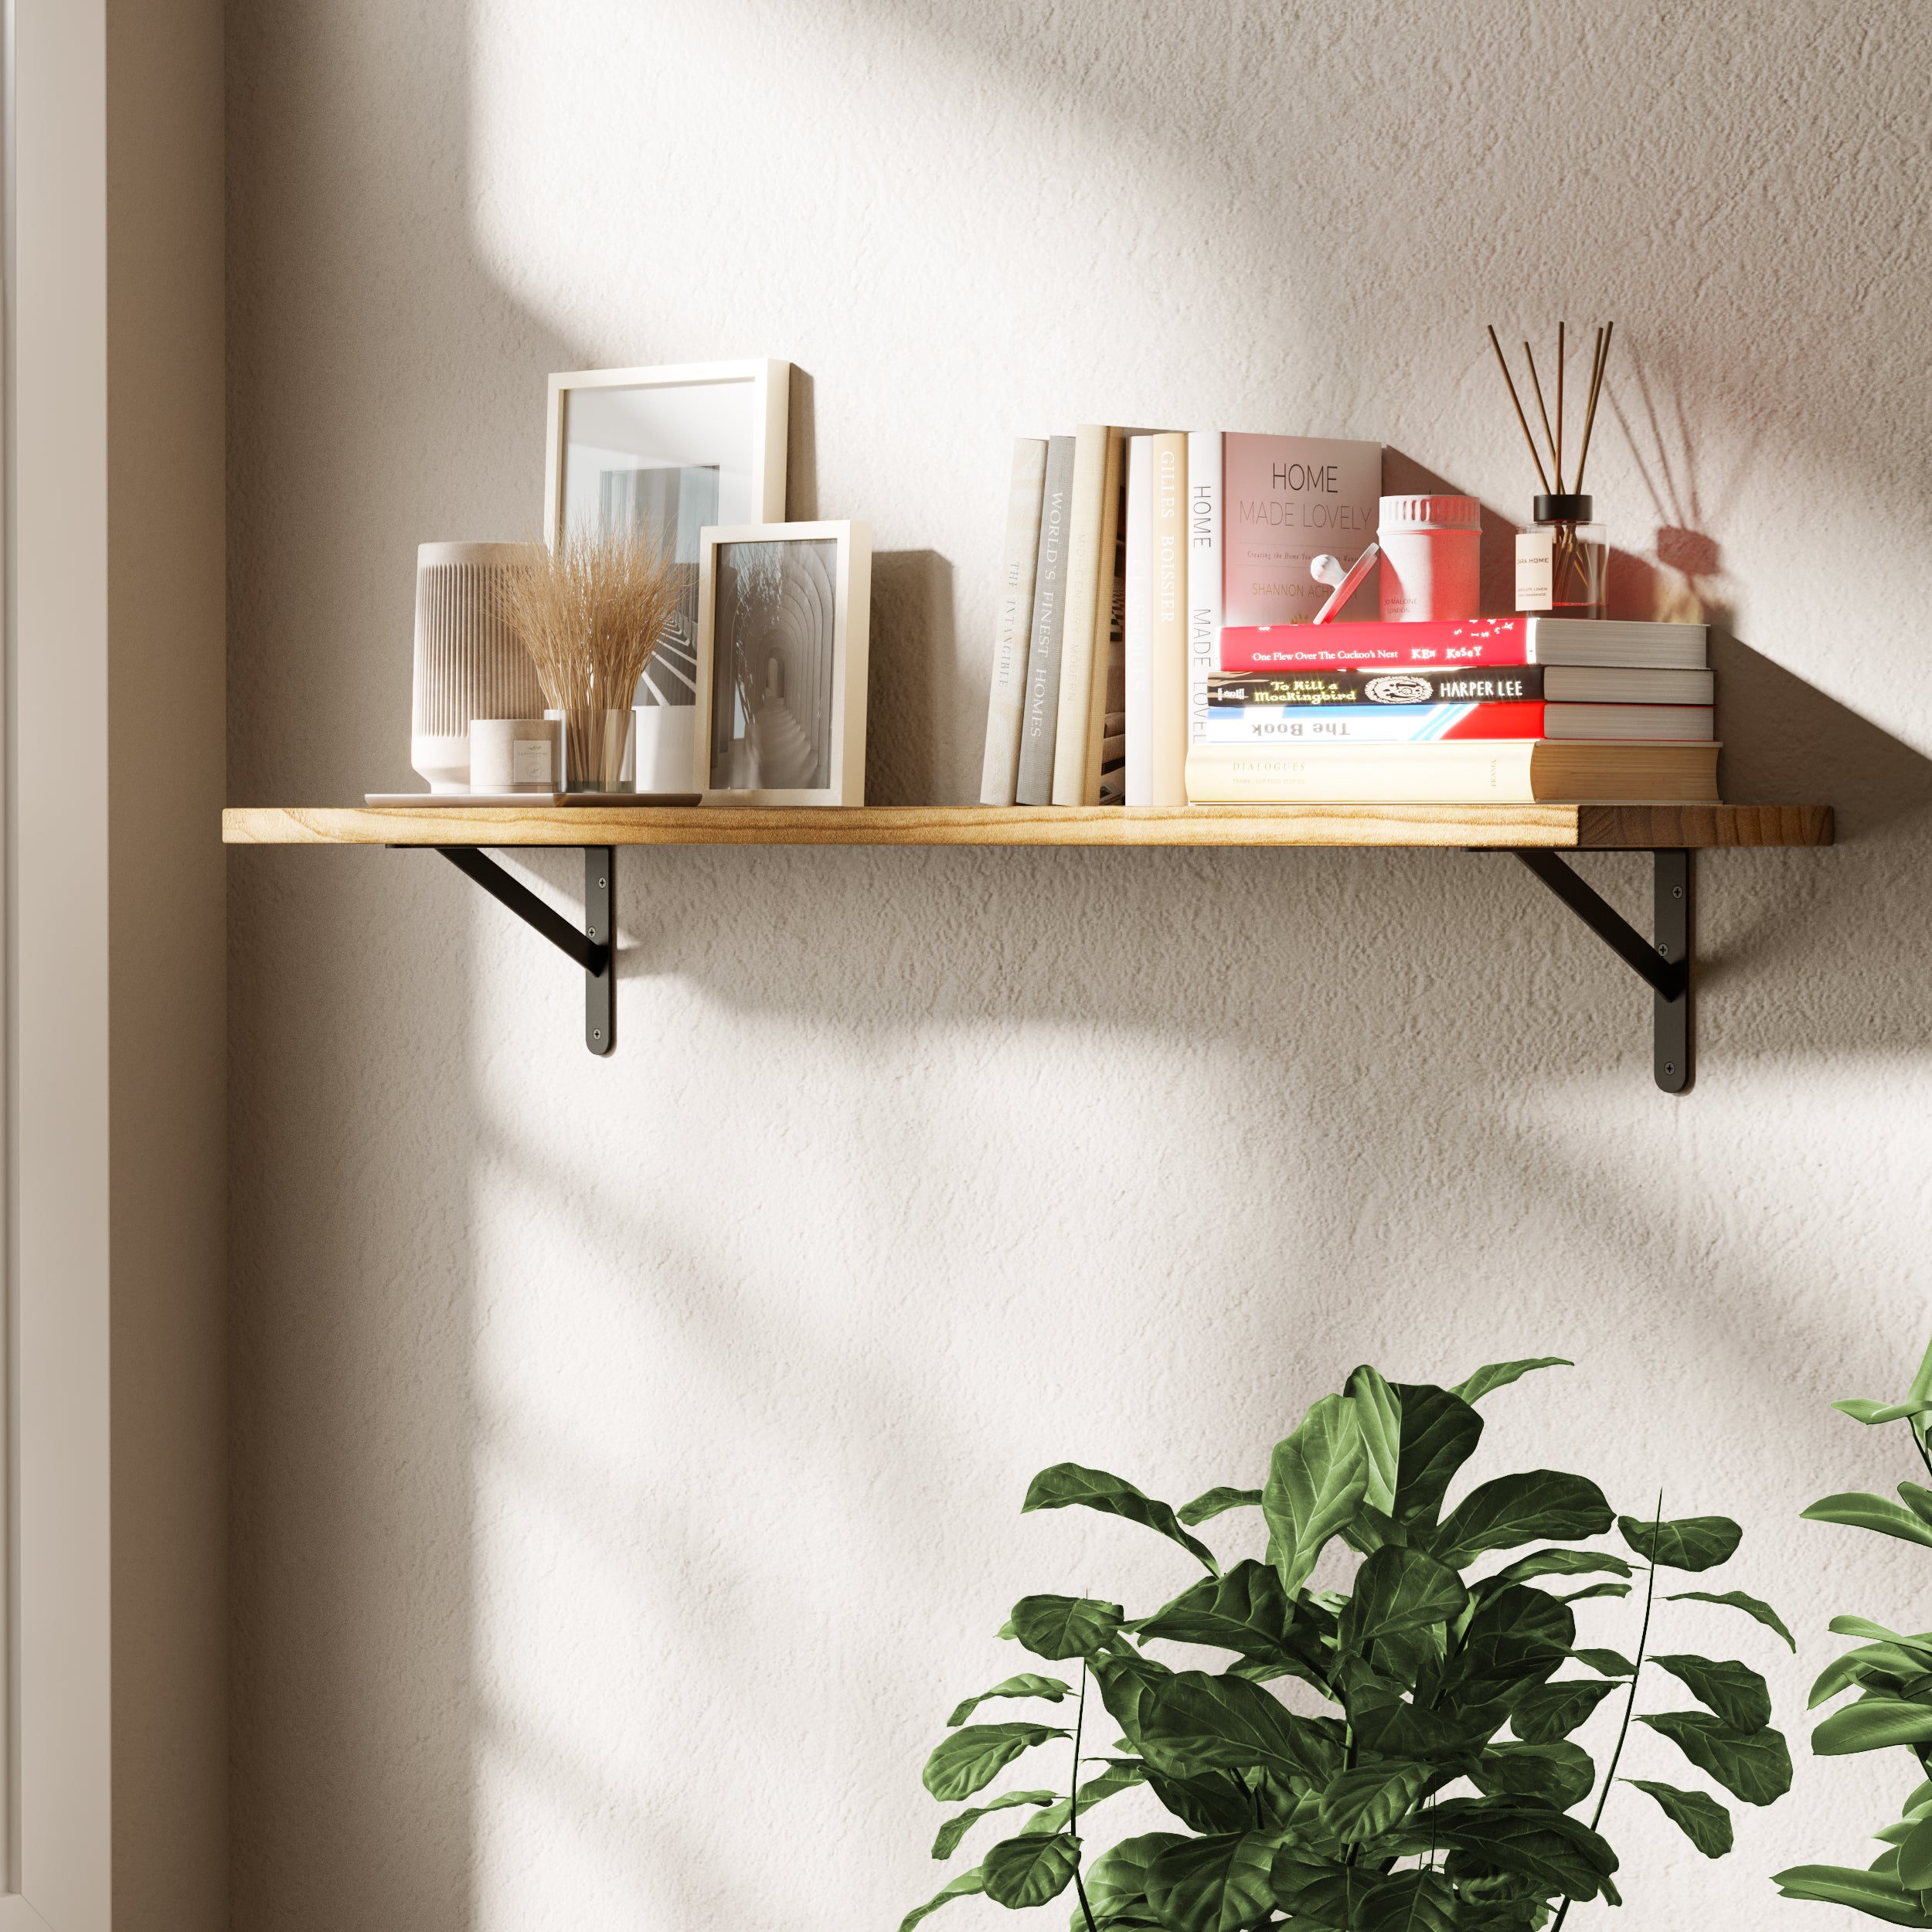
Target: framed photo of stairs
(783, 621)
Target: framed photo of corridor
(784, 616)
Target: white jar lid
(1431, 513)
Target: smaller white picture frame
(762, 622)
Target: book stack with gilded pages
(1156, 644)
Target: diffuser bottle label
(1535, 551)
(530, 762)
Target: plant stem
(1073, 1797)
(1630, 1702)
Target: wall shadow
(911, 650)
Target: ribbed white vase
(470, 663)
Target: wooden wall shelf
(1535, 834)
(1582, 827)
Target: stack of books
(1506, 710)
(1154, 647)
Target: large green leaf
(1863, 1409)
(1439, 1432)
(1026, 1685)
(1686, 1542)
(1516, 1509)
(1316, 1478)
(1517, 1635)
(1915, 1857)
(1753, 1765)
(1559, 1853)
(1126, 1683)
(1917, 1498)
(1218, 1884)
(1734, 1691)
(1499, 1375)
(1594, 1589)
(1247, 1611)
(1557, 1563)
(1319, 1891)
(957, 1826)
(1208, 1801)
(1864, 1627)
(1878, 1894)
(1025, 1870)
(1437, 1737)
(1606, 1663)
(1193, 1722)
(1881, 1667)
(1410, 1902)
(1378, 1414)
(1214, 1502)
(1751, 1606)
(1398, 1590)
(1116, 1880)
(1863, 1511)
(1058, 1627)
(1701, 1820)
(969, 1760)
(1067, 1484)
(1549, 1712)
(1873, 1724)
(967, 1881)
(1365, 1802)
(1561, 1774)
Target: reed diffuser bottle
(1563, 559)
(1559, 563)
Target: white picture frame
(763, 593)
(756, 444)
(662, 452)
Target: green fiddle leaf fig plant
(1891, 1673)
(1421, 1772)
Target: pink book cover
(1286, 500)
(1463, 640)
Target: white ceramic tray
(434, 800)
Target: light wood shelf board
(1600, 828)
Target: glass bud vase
(1561, 562)
(595, 743)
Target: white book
(1140, 619)
(1168, 775)
(1203, 575)
(1006, 700)
(1096, 471)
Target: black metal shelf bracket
(594, 949)
(1664, 963)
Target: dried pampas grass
(590, 613)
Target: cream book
(1139, 626)
(1006, 699)
(1092, 518)
(1521, 771)
(1168, 733)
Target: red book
(1607, 641)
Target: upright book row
(1158, 644)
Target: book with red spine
(1258, 724)
(1467, 641)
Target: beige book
(1167, 750)
(1006, 696)
(1518, 771)
(1096, 466)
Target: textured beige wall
(628, 1454)
(167, 995)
